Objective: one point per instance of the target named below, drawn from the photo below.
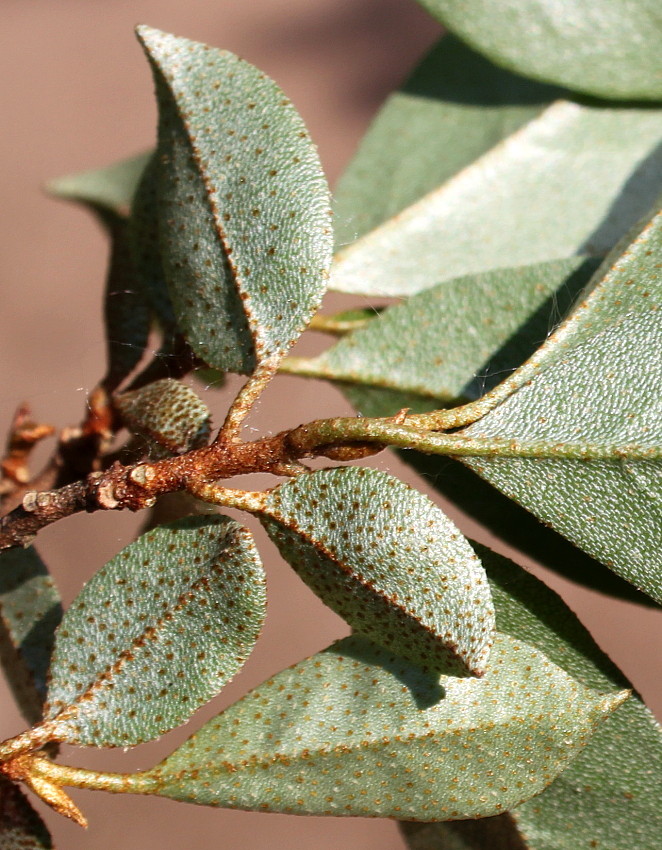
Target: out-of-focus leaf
(355, 730)
(610, 49)
(389, 561)
(457, 339)
(110, 189)
(126, 311)
(30, 611)
(494, 833)
(244, 210)
(596, 382)
(455, 106)
(108, 193)
(156, 633)
(143, 237)
(608, 796)
(571, 181)
(21, 828)
(167, 412)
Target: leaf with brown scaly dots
(389, 561)
(21, 828)
(168, 413)
(244, 209)
(609, 796)
(156, 633)
(357, 731)
(596, 381)
(30, 611)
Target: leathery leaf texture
(608, 796)
(609, 49)
(167, 412)
(571, 181)
(454, 107)
(355, 730)
(452, 341)
(156, 633)
(244, 209)
(389, 561)
(596, 382)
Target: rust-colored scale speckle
(375, 736)
(246, 163)
(378, 575)
(182, 652)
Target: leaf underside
(156, 633)
(389, 561)
(244, 211)
(355, 730)
(596, 381)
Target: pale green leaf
(478, 499)
(608, 796)
(244, 210)
(610, 49)
(596, 383)
(389, 561)
(111, 188)
(156, 633)
(571, 181)
(21, 828)
(456, 339)
(30, 611)
(168, 413)
(355, 730)
(455, 106)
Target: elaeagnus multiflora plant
(499, 223)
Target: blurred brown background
(76, 93)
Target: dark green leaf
(571, 181)
(156, 633)
(244, 211)
(609, 49)
(455, 340)
(143, 236)
(126, 312)
(495, 833)
(609, 796)
(389, 561)
(30, 611)
(355, 730)
(596, 382)
(455, 106)
(110, 189)
(168, 413)
(21, 828)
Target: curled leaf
(244, 211)
(167, 412)
(389, 561)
